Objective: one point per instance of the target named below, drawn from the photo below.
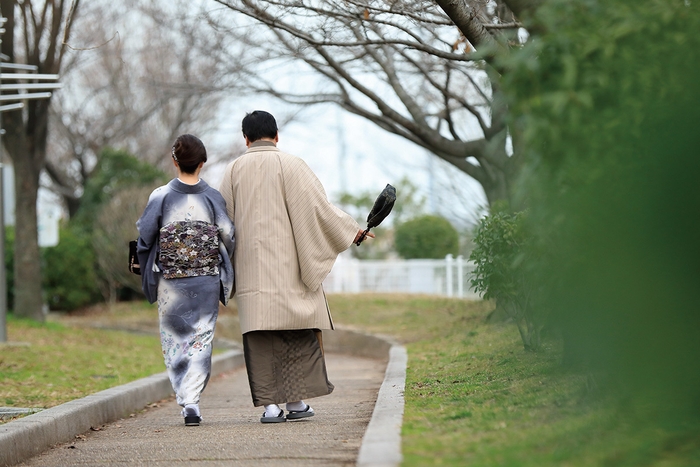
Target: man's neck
(263, 142)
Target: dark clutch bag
(382, 207)
(134, 265)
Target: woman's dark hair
(259, 124)
(189, 152)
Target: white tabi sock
(191, 409)
(297, 406)
(272, 410)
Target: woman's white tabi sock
(191, 409)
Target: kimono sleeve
(321, 230)
(227, 243)
(148, 226)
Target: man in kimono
(288, 237)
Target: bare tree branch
(513, 25)
(402, 66)
(160, 78)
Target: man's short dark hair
(259, 124)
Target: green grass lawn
(61, 363)
(475, 397)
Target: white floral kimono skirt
(188, 308)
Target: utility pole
(343, 154)
(19, 85)
(432, 204)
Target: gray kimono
(185, 247)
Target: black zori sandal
(296, 414)
(279, 418)
(192, 420)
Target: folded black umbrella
(382, 207)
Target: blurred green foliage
(606, 102)
(426, 237)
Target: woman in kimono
(185, 247)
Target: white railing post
(355, 275)
(337, 274)
(460, 276)
(448, 275)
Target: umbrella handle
(362, 237)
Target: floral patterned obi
(189, 249)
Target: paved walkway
(231, 433)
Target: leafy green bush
(502, 258)
(499, 241)
(426, 237)
(70, 281)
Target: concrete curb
(381, 444)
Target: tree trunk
(497, 188)
(73, 204)
(499, 172)
(28, 293)
(26, 145)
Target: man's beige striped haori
(288, 235)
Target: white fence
(448, 277)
